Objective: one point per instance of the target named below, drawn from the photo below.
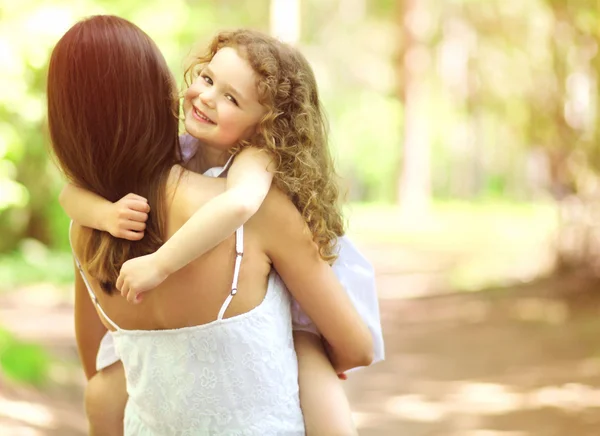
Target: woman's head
(288, 121)
(112, 114)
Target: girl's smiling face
(221, 106)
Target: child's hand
(139, 275)
(127, 218)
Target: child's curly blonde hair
(294, 129)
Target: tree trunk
(285, 20)
(414, 183)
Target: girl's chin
(194, 128)
(200, 132)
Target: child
(289, 146)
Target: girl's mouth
(200, 116)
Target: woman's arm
(313, 283)
(248, 182)
(124, 219)
(324, 403)
(89, 330)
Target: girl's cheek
(233, 118)
(187, 97)
(193, 90)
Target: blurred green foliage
(32, 263)
(23, 362)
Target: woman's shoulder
(182, 177)
(189, 190)
(278, 214)
(276, 204)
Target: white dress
(233, 377)
(352, 269)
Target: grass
(23, 362)
(26, 267)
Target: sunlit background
(466, 135)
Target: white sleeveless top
(236, 376)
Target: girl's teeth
(202, 116)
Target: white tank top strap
(239, 253)
(87, 283)
(227, 164)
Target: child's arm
(124, 219)
(312, 282)
(324, 403)
(248, 182)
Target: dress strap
(225, 167)
(87, 283)
(239, 253)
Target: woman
(113, 125)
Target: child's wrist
(106, 217)
(162, 264)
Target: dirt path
(516, 362)
(523, 361)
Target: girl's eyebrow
(227, 86)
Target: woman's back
(191, 373)
(195, 294)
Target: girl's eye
(231, 99)
(207, 79)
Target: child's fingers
(139, 205)
(136, 226)
(133, 215)
(124, 289)
(119, 283)
(131, 235)
(131, 295)
(132, 196)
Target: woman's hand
(127, 217)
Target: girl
(289, 142)
(113, 130)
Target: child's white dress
(352, 269)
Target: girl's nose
(206, 97)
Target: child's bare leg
(105, 399)
(323, 400)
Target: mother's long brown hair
(112, 114)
